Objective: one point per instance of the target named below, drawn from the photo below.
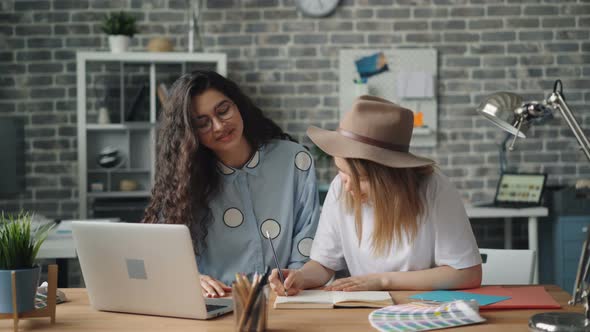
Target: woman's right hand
(212, 287)
(293, 282)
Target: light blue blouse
(275, 191)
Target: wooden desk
(77, 315)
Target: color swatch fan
(418, 316)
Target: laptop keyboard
(212, 307)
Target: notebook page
(368, 297)
(307, 296)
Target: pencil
(240, 291)
(248, 307)
(274, 253)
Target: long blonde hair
(396, 199)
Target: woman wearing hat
(394, 220)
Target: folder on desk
(449, 296)
(526, 297)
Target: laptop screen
(520, 188)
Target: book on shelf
(319, 299)
(135, 109)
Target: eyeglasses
(224, 111)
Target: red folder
(526, 297)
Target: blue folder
(447, 296)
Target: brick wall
(289, 65)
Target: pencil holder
(250, 310)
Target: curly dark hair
(186, 174)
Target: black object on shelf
(109, 157)
(131, 115)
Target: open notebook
(319, 299)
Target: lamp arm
(556, 100)
(580, 292)
(502, 156)
(587, 307)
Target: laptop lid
(141, 268)
(520, 189)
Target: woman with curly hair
(231, 175)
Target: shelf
(422, 131)
(153, 57)
(107, 73)
(118, 170)
(119, 194)
(121, 126)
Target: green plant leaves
(120, 23)
(19, 245)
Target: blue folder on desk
(447, 296)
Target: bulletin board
(410, 81)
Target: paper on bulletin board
(410, 81)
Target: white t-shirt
(444, 236)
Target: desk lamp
(508, 111)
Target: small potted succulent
(19, 245)
(120, 27)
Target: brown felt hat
(374, 129)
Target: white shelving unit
(135, 140)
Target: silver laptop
(143, 268)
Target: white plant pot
(119, 43)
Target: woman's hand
(212, 287)
(369, 282)
(293, 282)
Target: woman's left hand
(369, 282)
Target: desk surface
(77, 315)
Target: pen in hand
(277, 262)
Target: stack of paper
(420, 316)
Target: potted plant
(120, 27)
(19, 245)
